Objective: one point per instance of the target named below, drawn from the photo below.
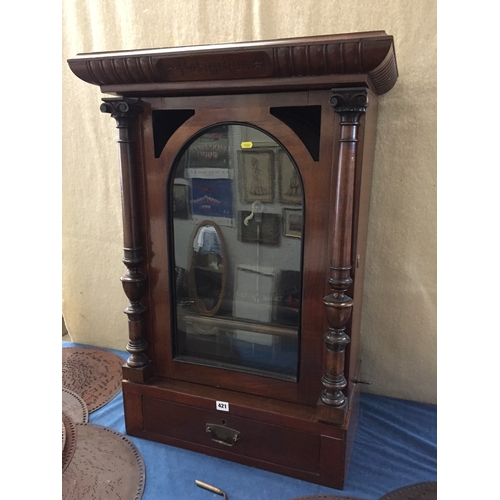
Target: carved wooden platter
(93, 374)
(69, 439)
(327, 497)
(74, 406)
(106, 464)
(418, 491)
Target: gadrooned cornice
(314, 62)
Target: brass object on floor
(211, 488)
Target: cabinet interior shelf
(236, 324)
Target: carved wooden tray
(74, 406)
(327, 497)
(69, 439)
(419, 491)
(105, 465)
(92, 373)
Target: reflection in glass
(236, 209)
(207, 274)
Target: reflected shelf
(228, 323)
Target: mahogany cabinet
(246, 172)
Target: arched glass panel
(236, 207)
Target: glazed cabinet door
(238, 196)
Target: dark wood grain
(125, 112)
(293, 63)
(298, 449)
(349, 104)
(303, 428)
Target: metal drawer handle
(222, 434)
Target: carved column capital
(351, 100)
(121, 107)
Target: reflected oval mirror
(207, 271)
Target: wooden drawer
(258, 440)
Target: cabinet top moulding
(306, 63)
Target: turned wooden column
(125, 111)
(349, 104)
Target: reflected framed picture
(292, 222)
(212, 197)
(180, 205)
(290, 184)
(265, 231)
(257, 175)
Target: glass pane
(237, 210)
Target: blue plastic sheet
(395, 445)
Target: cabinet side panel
(362, 205)
(332, 461)
(132, 404)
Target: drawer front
(255, 439)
